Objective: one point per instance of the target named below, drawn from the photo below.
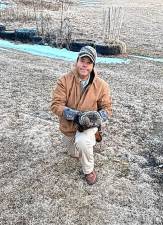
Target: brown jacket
(68, 93)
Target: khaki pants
(81, 145)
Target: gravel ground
(39, 183)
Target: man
(82, 101)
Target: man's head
(88, 51)
(86, 61)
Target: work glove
(104, 115)
(70, 114)
(86, 120)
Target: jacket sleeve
(59, 98)
(105, 101)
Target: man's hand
(70, 114)
(104, 115)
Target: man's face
(84, 67)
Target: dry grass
(21, 15)
(40, 4)
(141, 29)
(39, 14)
